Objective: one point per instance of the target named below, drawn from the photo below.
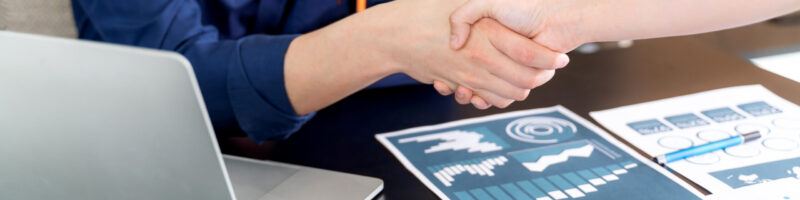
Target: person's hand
(491, 38)
(410, 36)
(462, 95)
(465, 95)
(551, 23)
(418, 46)
(541, 20)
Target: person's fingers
(479, 103)
(494, 99)
(497, 85)
(509, 70)
(524, 50)
(544, 76)
(463, 17)
(442, 88)
(463, 95)
(476, 101)
(500, 65)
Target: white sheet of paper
(786, 65)
(422, 150)
(785, 188)
(664, 126)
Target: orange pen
(361, 5)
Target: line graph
(539, 159)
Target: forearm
(608, 20)
(326, 65)
(409, 37)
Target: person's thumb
(462, 18)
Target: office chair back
(44, 17)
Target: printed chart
(667, 125)
(547, 153)
(538, 159)
(567, 185)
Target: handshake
(497, 53)
(488, 52)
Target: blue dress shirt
(236, 47)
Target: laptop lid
(85, 120)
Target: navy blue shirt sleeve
(241, 78)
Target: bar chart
(482, 167)
(569, 185)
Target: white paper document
(667, 125)
(785, 65)
(785, 188)
(547, 153)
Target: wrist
(359, 42)
(383, 34)
(406, 39)
(599, 20)
(370, 37)
(570, 24)
(325, 65)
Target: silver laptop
(85, 120)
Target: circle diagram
(705, 159)
(780, 144)
(541, 130)
(712, 135)
(742, 151)
(787, 123)
(675, 142)
(750, 127)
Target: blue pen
(706, 148)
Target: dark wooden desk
(341, 137)
(757, 39)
